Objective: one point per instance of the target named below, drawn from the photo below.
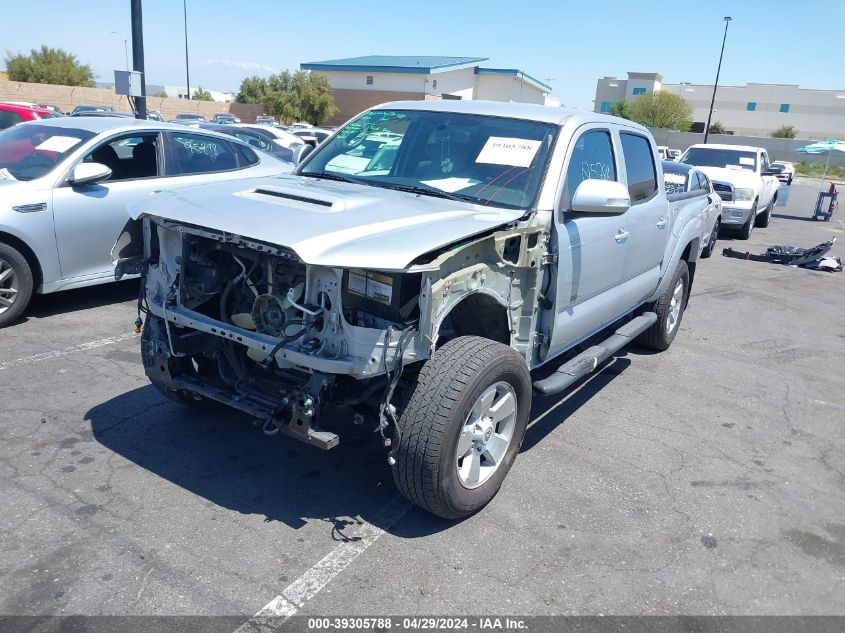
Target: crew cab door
(591, 248)
(647, 220)
(771, 184)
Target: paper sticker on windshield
(58, 144)
(514, 152)
(744, 160)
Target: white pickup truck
(418, 293)
(739, 176)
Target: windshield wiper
(330, 176)
(425, 191)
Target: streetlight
(716, 85)
(187, 71)
(125, 49)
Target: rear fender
(689, 238)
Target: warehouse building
(362, 82)
(750, 110)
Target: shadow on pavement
(784, 216)
(82, 298)
(223, 458)
(549, 412)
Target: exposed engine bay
(250, 325)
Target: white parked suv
(738, 173)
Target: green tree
(718, 128)
(49, 66)
(661, 109)
(200, 94)
(162, 94)
(298, 96)
(620, 109)
(784, 131)
(253, 90)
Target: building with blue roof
(359, 83)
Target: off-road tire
(764, 218)
(25, 284)
(432, 413)
(658, 337)
(748, 227)
(714, 237)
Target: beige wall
(68, 97)
(506, 88)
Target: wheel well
(691, 264)
(476, 315)
(29, 255)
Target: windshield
(712, 157)
(30, 151)
(487, 160)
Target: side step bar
(586, 362)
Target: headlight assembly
(743, 194)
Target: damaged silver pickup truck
(410, 274)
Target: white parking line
(67, 350)
(301, 590)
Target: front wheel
(764, 218)
(748, 227)
(16, 284)
(461, 423)
(670, 310)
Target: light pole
(187, 71)
(716, 85)
(125, 49)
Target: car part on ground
(814, 257)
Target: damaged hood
(328, 223)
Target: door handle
(621, 235)
(661, 223)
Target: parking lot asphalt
(708, 479)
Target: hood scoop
(290, 196)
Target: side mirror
(300, 152)
(88, 174)
(605, 197)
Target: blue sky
(573, 43)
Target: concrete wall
(68, 97)
(506, 88)
(460, 82)
(778, 148)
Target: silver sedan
(65, 184)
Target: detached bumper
(736, 213)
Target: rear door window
(199, 154)
(639, 165)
